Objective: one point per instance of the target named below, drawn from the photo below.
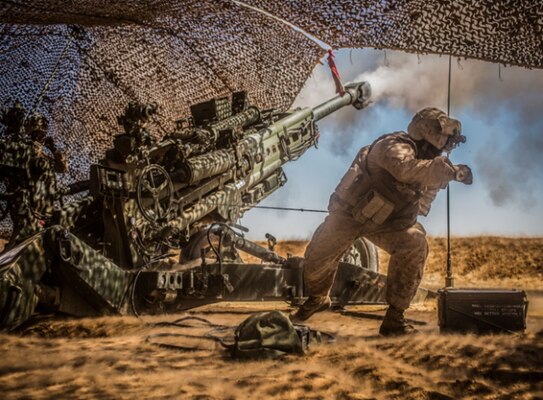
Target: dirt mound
(485, 261)
(495, 257)
(52, 327)
(360, 365)
(452, 366)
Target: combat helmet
(434, 126)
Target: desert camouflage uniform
(391, 168)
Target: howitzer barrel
(300, 121)
(265, 151)
(357, 94)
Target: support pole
(449, 279)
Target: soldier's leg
(332, 238)
(408, 251)
(329, 242)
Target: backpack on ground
(270, 335)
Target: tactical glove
(463, 174)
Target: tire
(362, 253)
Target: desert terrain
(110, 357)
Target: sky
(501, 110)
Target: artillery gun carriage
(154, 228)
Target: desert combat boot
(312, 305)
(394, 324)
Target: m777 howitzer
(110, 251)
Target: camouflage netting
(174, 53)
(505, 31)
(100, 54)
(181, 52)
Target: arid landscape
(110, 357)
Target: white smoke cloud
(510, 165)
(404, 83)
(413, 82)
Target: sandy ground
(109, 357)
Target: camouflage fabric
(408, 184)
(101, 55)
(502, 31)
(178, 52)
(21, 269)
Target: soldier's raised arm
(400, 160)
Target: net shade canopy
(502, 31)
(95, 56)
(172, 53)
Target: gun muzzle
(358, 94)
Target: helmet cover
(434, 126)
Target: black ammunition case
(482, 310)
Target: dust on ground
(110, 357)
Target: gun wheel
(154, 193)
(362, 253)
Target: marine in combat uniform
(387, 186)
(32, 181)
